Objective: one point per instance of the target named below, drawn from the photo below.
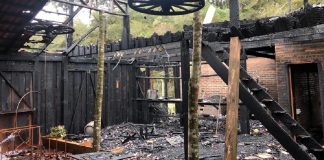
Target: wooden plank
(77, 107)
(122, 86)
(37, 87)
(117, 91)
(16, 66)
(68, 108)
(109, 104)
(14, 90)
(82, 103)
(131, 86)
(42, 106)
(291, 94)
(232, 99)
(64, 91)
(49, 83)
(28, 86)
(57, 93)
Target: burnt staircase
(290, 134)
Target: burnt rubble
(165, 141)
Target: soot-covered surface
(164, 140)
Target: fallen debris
(165, 141)
(175, 140)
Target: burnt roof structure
(14, 15)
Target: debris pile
(165, 141)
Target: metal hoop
(166, 7)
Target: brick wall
(213, 85)
(262, 68)
(297, 53)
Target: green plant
(58, 131)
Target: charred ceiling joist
(14, 16)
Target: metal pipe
(88, 7)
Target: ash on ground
(164, 140)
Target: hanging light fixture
(166, 7)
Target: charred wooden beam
(308, 17)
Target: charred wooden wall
(66, 89)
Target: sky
(83, 15)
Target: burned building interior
(145, 92)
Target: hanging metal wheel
(166, 7)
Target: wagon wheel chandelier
(166, 7)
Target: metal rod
(120, 7)
(65, 14)
(92, 8)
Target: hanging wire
(140, 89)
(120, 56)
(166, 52)
(131, 61)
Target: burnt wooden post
(233, 87)
(234, 13)
(305, 3)
(185, 74)
(126, 30)
(69, 37)
(177, 92)
(232, 100)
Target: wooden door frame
(320, 70)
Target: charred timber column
(232, 100)
(185, 75)
(126, 30)
(305, 3)
(69, 37)
(234, 13)
(233, 86)
(235, 22)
